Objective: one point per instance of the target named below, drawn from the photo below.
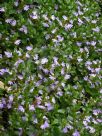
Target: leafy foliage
(50, 68)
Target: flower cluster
(50, 68)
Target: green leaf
(62, 111)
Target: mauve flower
(38, 99)
(80, 22)
(20, 77)
(37, 62)
(2, 9)
(97, 29)
(49, 106)
(81, 50)
(53, 31)
(76, 133)
(23, 29)
(59, 21)
(23, 102)
(99, 120)
(79, 43)
(34, 15)
(45, 125)
(92, 130)
(101, 91)
(97, 70)
(55, 41)
(31, 90)
(40, 76)
(20, 97)
(18, 52)
(65, 130)
(1, 105)
(3, 71)
(56, 61)
(36, 57)
(11, 98)
(24, 118)
(69, 127)
(52, 77)
(64, 17)
(45, 24)
(96, 111)
(88, 63)
(47, 36)
(63, 84)
(45, 118)
(87, 19)
(87, 118)
(88, 43)
(45, 16)
(46, 71)
(53, 17)
(17, 42)
(16, 3)
(79, 59)
(26, 7)
(59, 93)
(80, 4)
(68, 26)
(94, 121)
(80, 13)
(53, 86)
(8, 54)
(11, 21)
(74, 34)
(3, 100)
(35, 121)
(0, 56)
(75, 13)
(29, 48)
(18, 62)
(92, 75)
(9, 105)
(85, 123)
(44, 61)
(20, 108)
(60, 38)
(63, 64)
(93, 43)
(75, 87)
(27, 55)
(41, 92)
(8, 20)
(10, 82)
(94, 21)
(62, 71)
(38, 83)
(86, 78)
(31, 107)
(97, 14)
(41, 107)
(53, 100)
(95, 62)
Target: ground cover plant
(50, 68)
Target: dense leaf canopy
(50, 68)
